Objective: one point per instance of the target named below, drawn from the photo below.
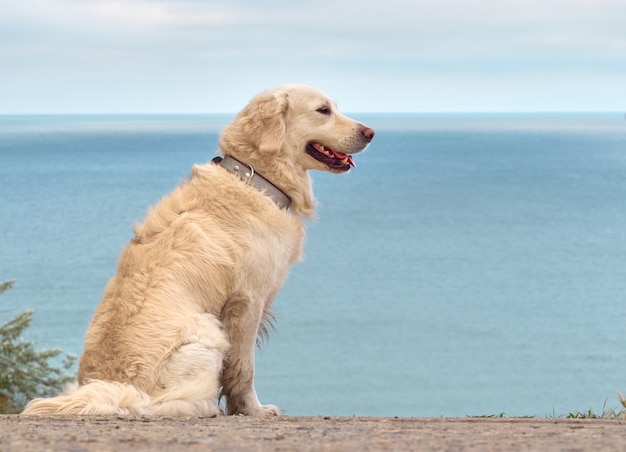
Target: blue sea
(471, 264)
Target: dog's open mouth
(333, 159)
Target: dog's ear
(263, 121)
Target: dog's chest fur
(265, 239)
(231, 232)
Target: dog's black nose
(368, 133)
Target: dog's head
(297, 125)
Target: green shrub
(24, 372)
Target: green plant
(607, 413)
(583, 415)
(486, 416)
(24, 372)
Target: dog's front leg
(242, 317)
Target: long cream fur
(178, 323)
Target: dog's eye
(324, 110)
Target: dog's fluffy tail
(95, 397)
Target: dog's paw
(262, 411)
(271, 410)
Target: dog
(176, 329)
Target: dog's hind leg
(189, 379)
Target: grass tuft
(607, 413)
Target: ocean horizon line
(417, 112)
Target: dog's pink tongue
(345, 158)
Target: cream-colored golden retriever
(178, 323)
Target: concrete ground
(234, 433)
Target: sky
(203, 56)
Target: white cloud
(128, 53)
(123, 13)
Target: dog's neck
(247, 174)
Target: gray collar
(247, 174)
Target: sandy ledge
(232, 433)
